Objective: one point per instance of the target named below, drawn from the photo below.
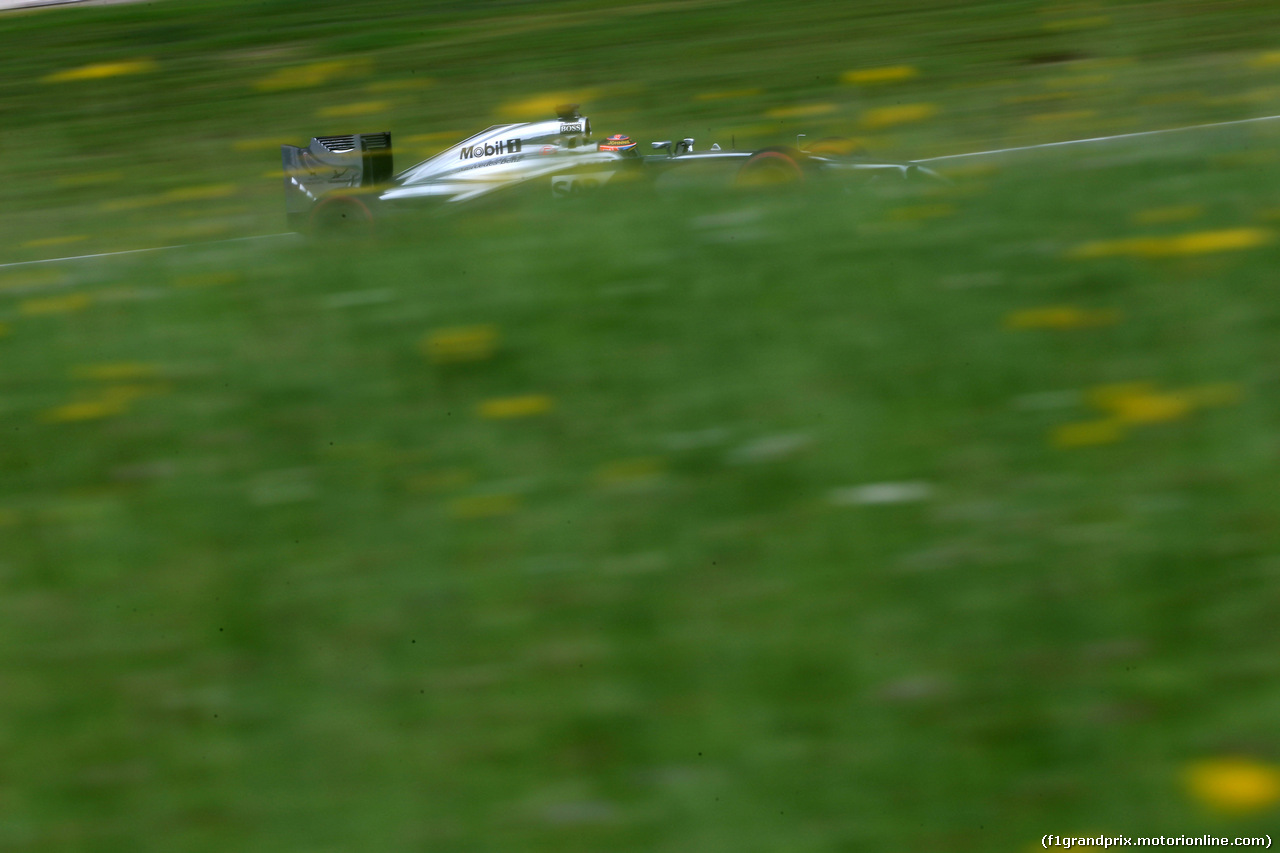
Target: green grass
(999, 74)
(277, 585)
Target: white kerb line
(1098, 139)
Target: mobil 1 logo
(490, 149)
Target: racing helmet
(620, 143)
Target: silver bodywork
(559, 154)
(508, 154)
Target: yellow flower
(1109, 397)
(1140, 403)
(1269, 59)
(1235, 785)
(1087, 433)
(1152, 408)
(99, 70)
(731, 93)
(1132, 403)
(484, 506)
(307, 76)
(888, 74)
(882, 117)
(54, 304)
(801, 111)
(1195, 243)
(1215, 241)
(544, 106)
(503, 408)
(1059, 317)
(201, 193)
(85, 410)
(460, 344)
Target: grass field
(926, 517)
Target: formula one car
(348, 182)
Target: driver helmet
(619, 142)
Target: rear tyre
(771, 167)
(341, 217)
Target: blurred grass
(553, 531)
(228, 81)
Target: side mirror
(662, 146)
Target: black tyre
(771, 167)
(341, 216)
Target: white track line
(1098, 139)
(151, 249)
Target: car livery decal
(511, 158)
(489, 149)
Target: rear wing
(329, 164)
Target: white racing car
(348, 182)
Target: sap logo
(571, 128)
(490, 149)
